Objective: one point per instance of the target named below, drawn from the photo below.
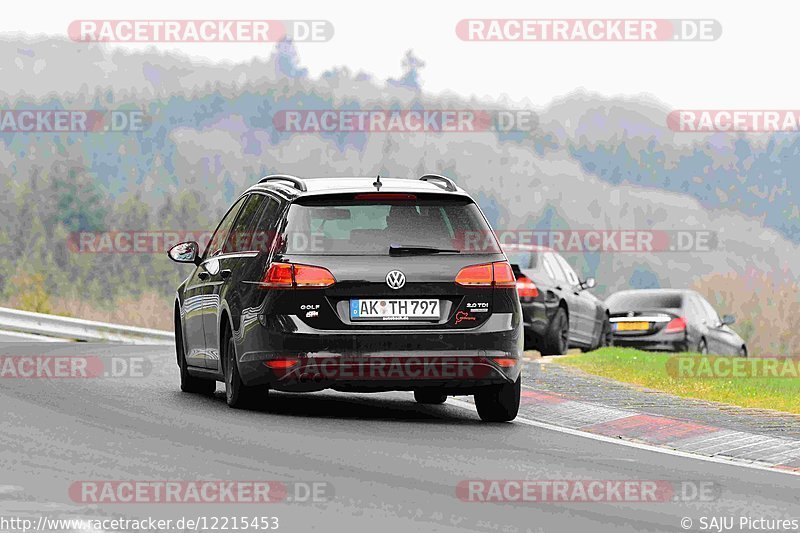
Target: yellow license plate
(633, 326)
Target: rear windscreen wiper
(400, 249)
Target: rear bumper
(458, 374)
(536, 317)
(653, 344)
(371, 360)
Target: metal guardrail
(78, 329)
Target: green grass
(653, 370)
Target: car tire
(702, 347)
(556, 338)
(499, 403)
(606, 337)
(430, 397)
(237, 394)
(190, 383)
(742, 351)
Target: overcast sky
(751, 66)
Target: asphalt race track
(390, 464)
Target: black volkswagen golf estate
(353, 284)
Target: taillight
(279, 276)
(311, 276)
(288, 276)
(497, 274)
(475, 276)
(505, 362)
(526, 288)
(504, 275)
(675, 325)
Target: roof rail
(296, 182)
(448, 183)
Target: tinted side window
(692, 309)
(240, 237)
(265, 227)
(711, 315)
(572, 277)
(218, 239)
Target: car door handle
(203, 276)
(225, 274)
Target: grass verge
(691, 376)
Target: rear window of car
(639, 301)
(363, 225)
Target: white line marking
(578, 433)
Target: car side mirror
(727, 320)
(588, 284)
(185, 252)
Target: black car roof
(334, 185)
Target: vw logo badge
(395, 279)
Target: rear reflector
(497, 274)
(505, 362)
(526, 288)
(289, 276)
(281, 363)
(675, 325)
(382, 196)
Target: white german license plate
(394, 309)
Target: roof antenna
(377, 183)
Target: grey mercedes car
(672, 320)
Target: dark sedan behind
(671, 320)
(558, 310)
